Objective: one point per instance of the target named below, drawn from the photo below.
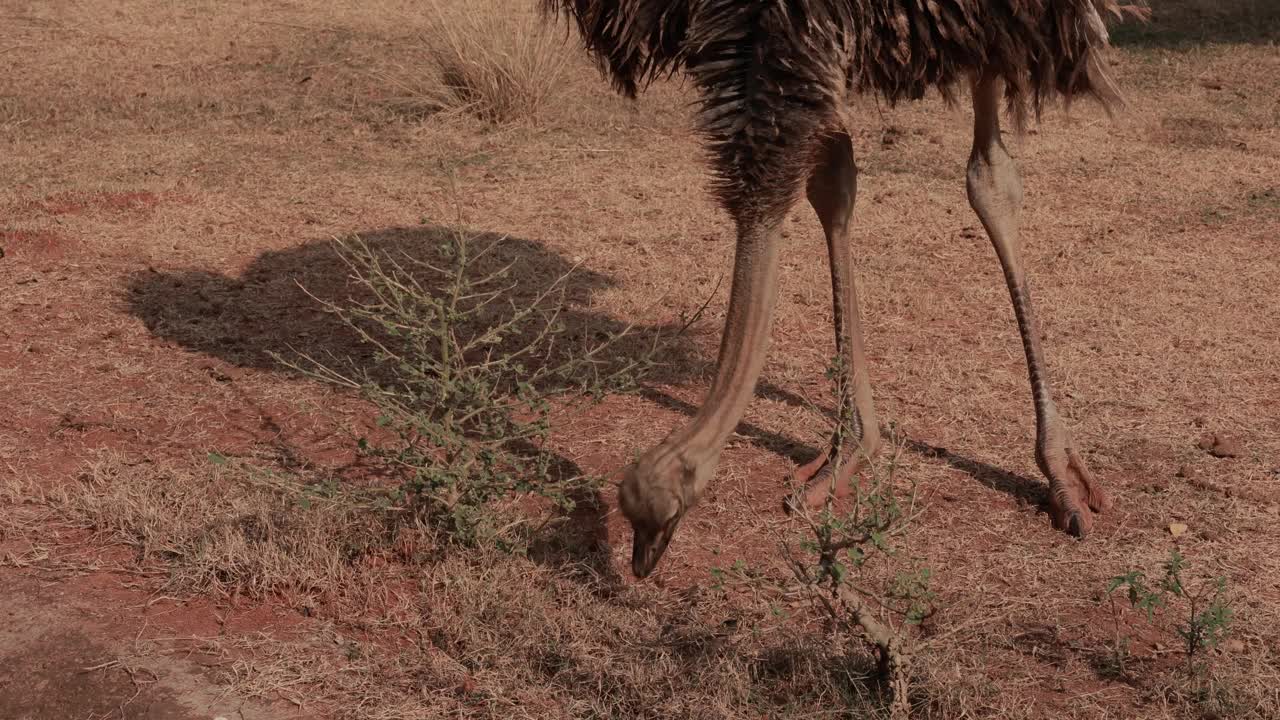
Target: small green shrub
(832, 566)
(842, 547)
(853, 565)
(1204, 614)
(466, 378)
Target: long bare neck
(744, 345)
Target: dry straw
(497, 60)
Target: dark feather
(773, 73)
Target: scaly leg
(832, 190)
(668, 480)
(995, 193)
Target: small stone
(1177, 529)
(1220, 446)
(890, 136)
(1234, 646)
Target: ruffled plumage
(772, 73)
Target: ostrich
(773, 77)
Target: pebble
(1220, 446)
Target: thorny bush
(467, 378)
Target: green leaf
(839, 572)
(217, 458)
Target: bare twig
(895, 661)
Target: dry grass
(230, 530)
(413, 630)
(258, 132)
(489, 59)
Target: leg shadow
(773, 442)
(1020, 487)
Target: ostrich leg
(668, 480)
(995, 193)
(832, 190)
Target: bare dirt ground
(171, 172)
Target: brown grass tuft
(455, 631)
(491, 59)
(230, 529)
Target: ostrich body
(773, 78)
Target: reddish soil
(31, 244)
(142, 321)
(138, 201)
(85, 646)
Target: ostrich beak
(649, 545)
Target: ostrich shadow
(273, 315)
(274, 310)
